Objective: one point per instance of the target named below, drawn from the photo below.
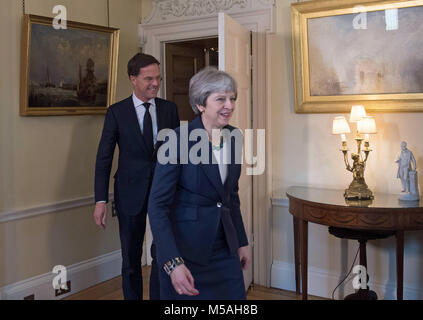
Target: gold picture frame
(68, 71)
(332, 72)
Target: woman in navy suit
(194, 207)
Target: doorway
(162, 28)
(183, 60)
(230, 51)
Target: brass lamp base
(365, 203)
(358, 191)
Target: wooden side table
(328, 207)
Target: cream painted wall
(45, 160)
(146, 8)
(306, 153)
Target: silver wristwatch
(172, 264)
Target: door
(182, 62)
(235, 58)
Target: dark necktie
(148, 128)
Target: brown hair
(140, 60)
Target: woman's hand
(244, 256)
(183, 282)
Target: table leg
(297, 254)
(400, 263)
(304, 256)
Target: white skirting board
(82, 276)
(321, 283)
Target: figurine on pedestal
(358, 188)
(407, 172)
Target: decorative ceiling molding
(179, 10)
(197, 8)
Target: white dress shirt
(140, 109)
(222, 159)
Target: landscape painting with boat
(67, 71)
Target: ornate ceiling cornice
(174, 10)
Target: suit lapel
(210, 169)
(161, 116)
(231, 168)
(212, 172)
(131, 119)
(161, 124)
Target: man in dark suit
(133, 124)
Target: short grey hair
(206, 82)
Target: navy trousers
(132, 230)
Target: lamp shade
(340, 126)
(357, 112)
(367, 125)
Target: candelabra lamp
(366, 125)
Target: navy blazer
(135, 168)
(187, 203)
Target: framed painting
(68, 71)
(365, 52)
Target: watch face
(179, 261)
(172, 264)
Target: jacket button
(219, 204)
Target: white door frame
(257, 16)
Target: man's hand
(244, 256)
(183, 282)
(100, 214)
